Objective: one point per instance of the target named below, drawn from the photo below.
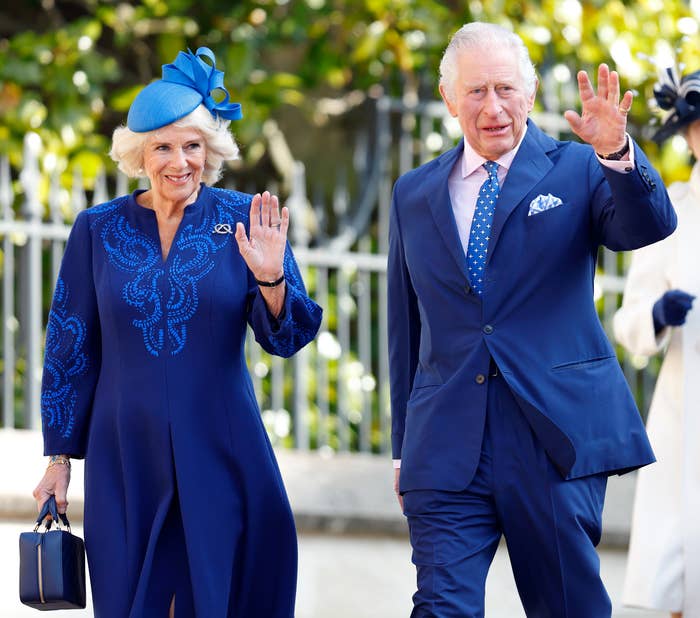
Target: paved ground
(344, 576)
(354, 557)
(332, 493)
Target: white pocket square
(542, 203)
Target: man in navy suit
(509, 408)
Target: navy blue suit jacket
(536, 318)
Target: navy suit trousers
(551, 527)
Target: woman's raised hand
(263, 252)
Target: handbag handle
(50, 508)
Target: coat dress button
(480, 378)
(488, 329)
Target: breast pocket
(544, 216)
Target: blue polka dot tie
(480, 231)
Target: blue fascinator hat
(680, 98)
(186, 83)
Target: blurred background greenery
(70, 68)
(309, 74)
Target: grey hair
(128, 146)
(481, 35)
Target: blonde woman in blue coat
(145, 374)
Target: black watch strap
(616, 156)
(270, 284)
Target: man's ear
(531, 100)
(450, 106)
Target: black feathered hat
(680, 98)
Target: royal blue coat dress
(145, 377)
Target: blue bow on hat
(186, 83)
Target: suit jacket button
(480, 378)
(488, 329)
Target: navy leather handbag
(51, 564)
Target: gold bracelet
(55, 460)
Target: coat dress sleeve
(73, 349)
(647, 280)
(299, 320)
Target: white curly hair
(128, 146)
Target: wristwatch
(616, 156)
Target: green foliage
(69, 70)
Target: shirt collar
(472, 161)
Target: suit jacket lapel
(437, 194)
(529, 166)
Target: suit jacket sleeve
(404, 328)
(632, 210)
